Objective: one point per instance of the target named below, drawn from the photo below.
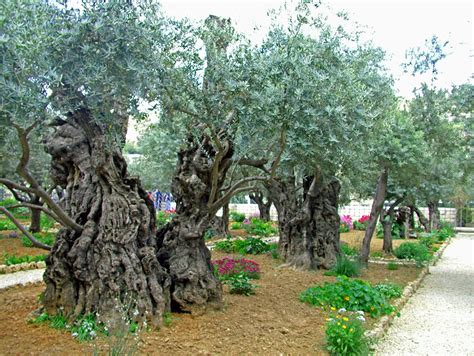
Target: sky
(393, 25)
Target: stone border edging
(383, 324)
(4, 269)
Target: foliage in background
(259, 227)
(413, 251)
(344, 266)
(15, 260)
(345, 334)
(164, 217)
(228, 267)
(236, 216)
(46, 238)
(240, 284)
(389, 290)
(349, 251)
(361, 224)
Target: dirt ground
(354, 239)
(273, 321)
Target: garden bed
(271, 321)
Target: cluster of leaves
(344, 266)
(236, 226)
(240, 284)
(349, 251)
(19, 212)
(46, 238)
(259, 227)
(251, 246)
(389, 290)
(15, 260)
(413, 251)
(345, 334)
(236, 216)
(6, 224)
(47, 222)
(396, 228)
(350, 294)
(392, 266)
(228, 267)
(362, 223)
(346, 223)
(164, 217)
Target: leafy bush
(346, 223)
(252, 246)
(345, 335)
(447, 227)
(226, 245)
(443, 234)
(395, 231)
(236, 226)
(345, 267)
(46, 238)
(164, 217)
(228, 267)
(274, 250)
(389, 290)
(258, 227)
(350, 294)
(413, 251)
(14, 260)
(427, 241)
(349, 251)
(392, 266)
(237, 217)
(47, 222)
(20, 212)
(343, 228)
(240, 284)
(362, 223)
(7, 225)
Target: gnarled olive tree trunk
(263, 206)
(111, 262)
(309, 226)
(421, 218)
(35, 225)
(181, 244)
(433, 215)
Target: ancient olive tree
(84, 73)
(317, 102)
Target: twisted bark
(110, 263)
(263, 206)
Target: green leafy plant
(240, 284)
(167, 319)
(376, 254)
(344, 228)
(392, 266)
(47, 222)
(237, 217)
(164, 217)
(15, 260)
(345, 267)
(46, 238)
(252, 246)
(259, 227)
(389, 290)
(447, 227)
(6, 224)
(236, 226)
(345, 334)
(350, 294)
(413, 251)
(226, 245)
(86, 328)
(395, 231)
(209, 234)
(349, 251)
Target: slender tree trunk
(182, 249)
(309, 227)
(263, 207)
(433, 215)
(111, 264)
(35, 225)
(220, 224)
(377, 206)
(404, 221)
(421, 218)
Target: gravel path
(22, 277)
(439, 318)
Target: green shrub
(20, 212)
(345, 335)
(164, 217)
(274, 250)
(47, 222)
(14, 260)
(392, 266)
(226, 245)
(236, 226)
(252, 246)
(377, 254)
(426, 241)
(349, 251)
(359, 226)
(350, 294)
(443, 235)
(413, 251)
(46, 238)
(448, 227)
(395, 231)
(259, 227)
(6, 224)
(343, 228)
(389, 290)
(345, 267)
(240, 284)
(237, 217)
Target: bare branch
(11, 185)
(35, 187)
(34, 206)
(24, 231)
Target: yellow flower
(346, 298)
(328, 319)
(332, 308)
(338, 316)
(351, 330)
(345, 319)
(372, 308)
(344, 327)
(338, 324)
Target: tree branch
(34, 206)
(22, 170)
(236, 188)
(215, 172)
(24, 231)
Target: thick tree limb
(35, 242)
(215, 171)
(35, 187)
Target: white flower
(74, 334)
(342, 310)
(360, 317)
(360, 312)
